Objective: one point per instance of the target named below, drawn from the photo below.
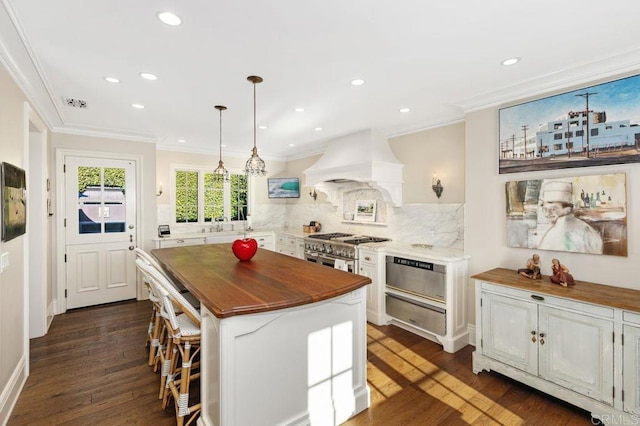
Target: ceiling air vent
(75, 103)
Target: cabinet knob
(367, 258)
(533, 336)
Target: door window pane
(101, 199)
(89, 200)
(114, 205)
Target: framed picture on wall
(583, 214)
(365, 211)
(14, 204)
(593, 126)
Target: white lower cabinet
(265, 241)
(584, 353)
(178, 242)
(571, 349)
(286, 245)
(371, 265)
(509, 331)
(631, 363)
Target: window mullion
(201, 197)
(227, 199)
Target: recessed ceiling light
(148, 76)
(182, 141)
(318, 129)
(299, 109)
(169, 18)
(405, 109)
(510, 61)
(357, 82)
(292, 144)
(224, 145)
(112, 80)
(137, 106)
(262, 127)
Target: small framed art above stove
(336, 250)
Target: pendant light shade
(255, 165)
(220, 172)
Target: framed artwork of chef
(585, 214)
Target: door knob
(131, 248)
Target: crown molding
(17, 57)
(583, 74)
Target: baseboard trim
(51, 313)
(12, 390)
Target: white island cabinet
(278, 348)
(576, 343)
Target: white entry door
(100, 230)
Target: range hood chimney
(363, 157)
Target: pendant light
(255, 165)
(220, 172)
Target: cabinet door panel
(507, 326)
(576, 351)
(631, 369)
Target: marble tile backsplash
(440, 225)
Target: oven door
(311, 256)
(337, 263)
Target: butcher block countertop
(269, 281)
(615, 297)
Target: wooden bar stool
(182, 323)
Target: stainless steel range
(337, 250)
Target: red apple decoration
(245, 248)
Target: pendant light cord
(254, 115)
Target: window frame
(201, 170)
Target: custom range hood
(354, 161)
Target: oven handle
(329, 258)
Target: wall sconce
(313, 194)
(159, 193)
(436, 185)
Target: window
(594, 132)
(557, 126)
(200, 197)
(579, 133)
(557, 136)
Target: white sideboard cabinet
(580, 343)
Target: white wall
(13, 346)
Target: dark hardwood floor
(91, 369)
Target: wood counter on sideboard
(284, 340)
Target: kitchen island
(283, 340)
